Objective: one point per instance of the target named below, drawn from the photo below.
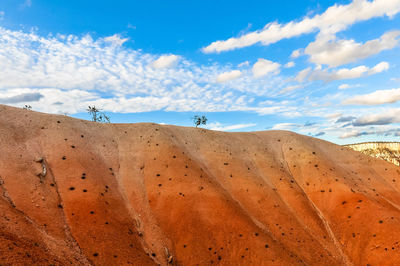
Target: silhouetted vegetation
(197, 120)
(97, 115)
(27, 107)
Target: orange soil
(145, 194)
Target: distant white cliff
(388, 151)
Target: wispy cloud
(220, 127)
(79, 71)
(27, 3)
(340, 74)
(388, 117)
(335, 19)
(375, 98)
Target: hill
(83, 193)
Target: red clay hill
(75, 192)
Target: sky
(326, 69)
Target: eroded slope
(78, 192)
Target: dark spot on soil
(95, 254)
(71, 188)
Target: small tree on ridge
(197, 120)
(97, 115)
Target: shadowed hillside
(83, 193)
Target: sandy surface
(81, 193)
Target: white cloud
(264, 67)
(296, 53)
(335, 19)
(22, 98)
(75, 72)
(228, 76)
(2, 15)
(333, 53)
(290, 64)
(352, 134)
(285, 126)
(383, 66)
(344, 86)
(303, 74)
(116, 39)
(375, 98)
(244, 64)
(291, 88)
(218, 126)
(388, 117)
(165, 61)
(340, 74)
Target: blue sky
(329, 69)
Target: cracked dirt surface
(146, 194)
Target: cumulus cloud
(264, 67)
(22, 98)
(375, 98)
(389, 117)
(340, 74)
(228, 76)
(334, 52)
(165, 61)
(335, 19)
